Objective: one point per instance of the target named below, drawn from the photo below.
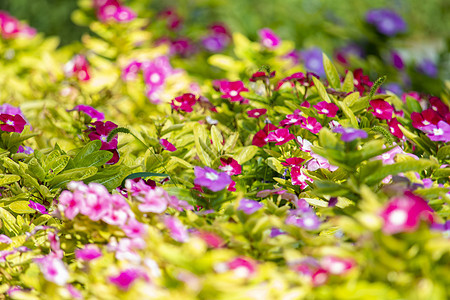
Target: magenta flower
(12, 123)
(177, 230)
(319, 162)
(211, 179)
(4, 239)
(130, 72)
(154, 74)
(439, 132)
(328, 109)
(218, 38)
(349, 134)
(38, 207)
(184, 102)
(306, 219)
(386, 21)
(134, 228)
(293, 119)
(294, 78)
(280, 136)
(78, 67)
(88, 253)
(268, 38)
(438, 106)
(361, 81)
(381, 109)
(249, 206)
(10, 27)
(112, 10)
(425, 118)
(261, 137)
(230, 166)
(394, 129)
(101, 132)
(262, 75)
(232, 90)
(403, 213)
(167, 146)
(242, 267)
(299, 178)
(336, 265)
(125, 279)
(256, 113)
(53, 269)
(293, 162)
(396, 60)
(311, 124)
(90, 111)
(213, 240)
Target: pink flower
(167, 146)
(131, 71)
(69, 204)
(293, 162)
(230, 166)
(362, 82)
(261, 137)
(296, 77)
(232, 90)
(53, 269)
(403, 213)
(10, 27)
(112, 10)
(12, 123)
(425, 118)
(381, 109)
(210, 178)
(249, 206)
(319, 162)
(213, 240)
(394, 129)
(325, 108)
(269, 39)
(439, 132)
(336, 265)
(438, 106)
(280, 136)
(263, 76)
(312, 125)
(88, 253)
(153, 200)
(256, 113)
(4, 239)
(305, 145)
(293, 119)
(304, 217)
(177, 230)
(299, 178)
(134, 228)
(242, 267)
(90, 111)
(78, 67)
(125, 279)
(184, 102)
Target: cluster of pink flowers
(78, 67)
(299, 77)
(241, 267)
(108, 10)
(434, 121)
(11, 28)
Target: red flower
(381, 109)
(261, 76)
(13, 123)
(362, 82)
(256, 113)
(260, 139)
(232, 90)
(293, 162)
(101, 132)
(184, 102)
(230, 166)
(325, 108)
(393, 127)
(425, 118)
(438, 106)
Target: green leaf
(246, 154)
(77, 174)
(96, 159)
(400, 167)
(89, 148)
(348, 85)
(231, 142)
(35, 169)
(6, 179)
(143, 175)
(9, 222)
(413, 105)
(217, 139)
(21, 207)
(331, 72)
(327, 139)
(58, 164)
(321, 89)
(111, 177)
(376, 85)
(275, 165)
(439, 173)
(349, 114)
(443, 152)
(203, 151)
(51, 157)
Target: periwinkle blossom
(425, 118)
(131, 71)
(153, 200)
(344, 54)
(381, 109)
(256, 113)
(90, 111)
(311, 124)
(176, 229)
(133, 228)
(88, 252)
(184, 102)
(336, 265)
(386, 21)
(231, 90)
(53, 269)
(249, 206)
(362, 82)
(311, 269)
(328, 109)
(303, 218)
(280, 136)
(211, 239)
(397, 60)
(268, 38)
(404, 213)
(38, 207)
(242, 267)
(350, 134)
(313, 60)
(167, 145)
(100, 131)
(78, 67)
(4, 239)
(439, 132)
(218, 38)
(12, 123)
(261, 137)
(25, 150)
(298, 177)
(230, 166)
(126, 278)
(428, 67)
(394, 88)
(211, 179)
(305, 145)
(319, 162)
(293, 161)
(108, 10)
(394, 128)
(293, 119)
(11, 28)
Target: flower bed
(142, 163)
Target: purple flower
(4, 239)
(90, 111)
(276, 232)
(268, 38)
(249, 206)
(439, 132)
(25, 149)
(444, 228)
(89, 252)
(428, 68)
(397, 60)
(126, 278)
(211, 179)
(307, 220)
(394, 88)
(313, 60)
(39, 207)
(350, 134)
(386, 21)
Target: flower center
(378, 111)
(385, 156)
(425, 122)
(337, 267)
(438, 131)
(103, 138)
(9, 27)
(398, 217)
(233, 93)
(212, 176)
(308, 222)
(154, 78)
(325, 111)
(9, 122)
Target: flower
(425, 118)
(336, 265)
(396, 60)
(242, 267)
(362, 82)
(131, 71)
(90, 111)
(305, 145)
(428, 67)
(293, 119)
(167, 146)
(230, 166)
(262, 75)
(134, 228)
(325, 108)
(211, 179)
(319, 162)
(10, 27)
(299, 178)
(403, 213)
(311, 124)
(438, 106)
(78, 67)
(313, 60)
(125, 279)
(439, 132)
(344, 54)
(4, 239)
(381, 109)
(232, 90)
(256, 113)
(394, 129)
(386, 21)
(184, 102)
(53, 269)
(177, 230)
(293, 161)
(112, 10)
(39, 207)
(349, 134)
(88, 253)
(152, 200)
(13, 123)
(101, 132)
(261, 137)
(249, 206)
(303, 218)
(218, 38)
(268, 38)
(280, 136)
